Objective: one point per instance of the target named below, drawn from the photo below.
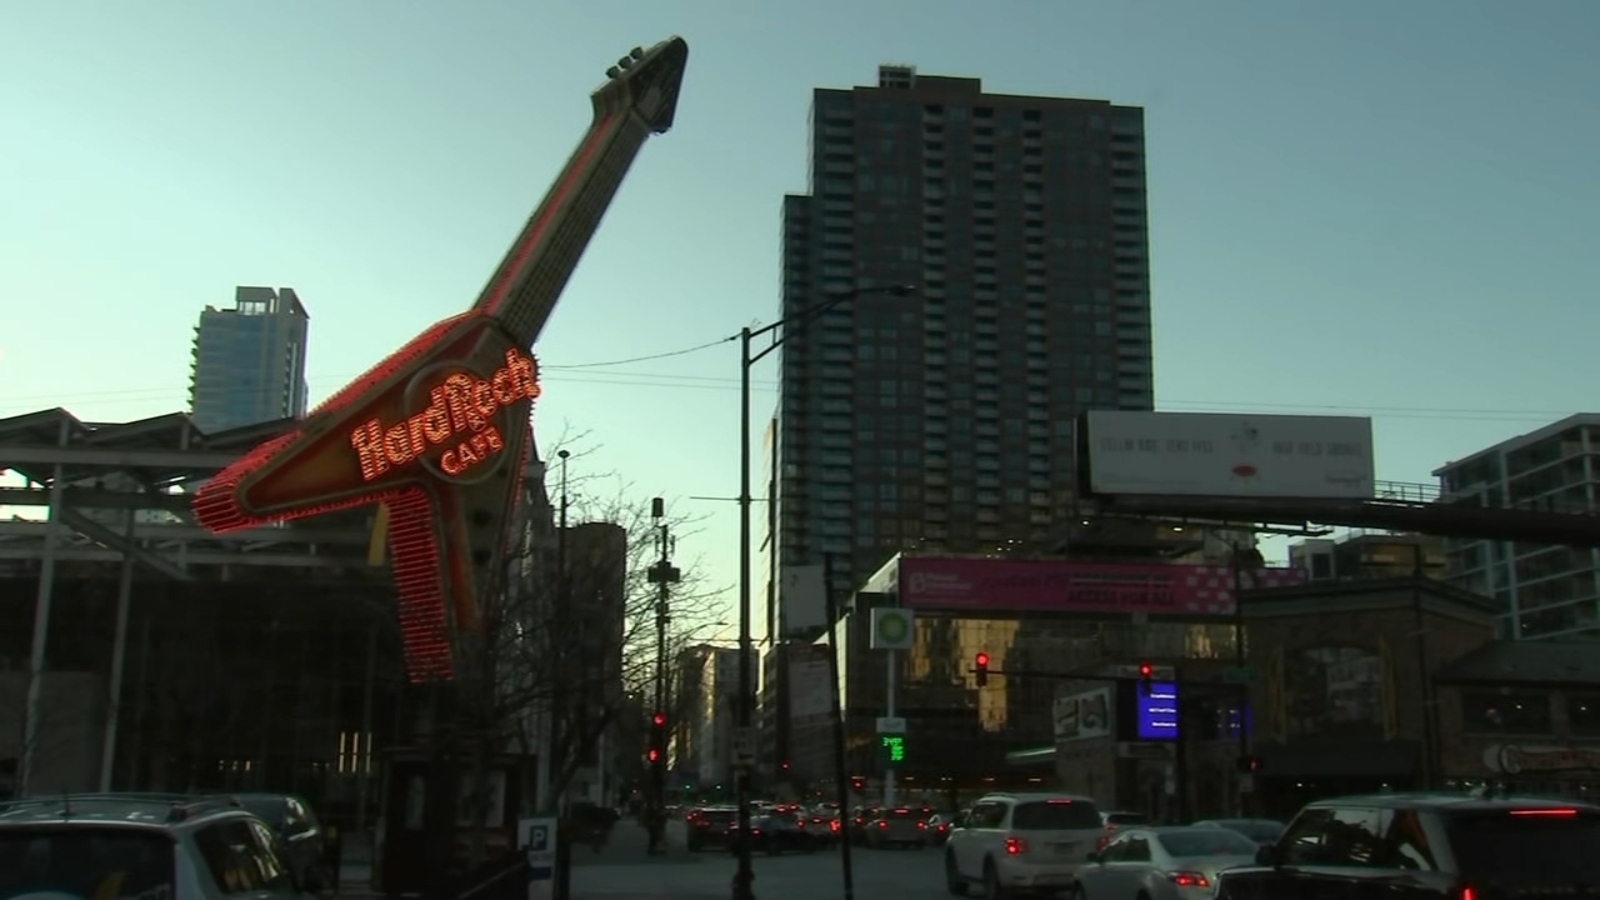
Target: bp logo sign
(891, 629)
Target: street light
(743, 881)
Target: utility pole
(663, 575)
(561, 887)
(1242, 557)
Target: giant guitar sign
(439, 431)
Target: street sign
(891, 725)
(891, 629)
(744, 746)
(537, 838)
(1240, 675)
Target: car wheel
(992, 888)
(953, 881)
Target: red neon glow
(520, 251)
(458, 417)
(1562, 813)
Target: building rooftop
(1523, 440)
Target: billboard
(949, 583)
(1082, 716)
(1230, 455)
(1155, 715)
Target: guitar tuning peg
(637, 53)
(613, 72)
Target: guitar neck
(524, 289)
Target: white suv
(1022, 842)
(144, 846)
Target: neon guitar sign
(440, 430)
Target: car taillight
(1562, 813)
(943, 827)
(1189, 879)
(1467, 893)
(922, 825)
(1016, 846)
(882, 823)
(834, 825)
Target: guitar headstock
(646, 82)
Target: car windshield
(1206, 842)
(1262, 831)
(1527, 847)
(85, 862)
(1055, 815)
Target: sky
(1359, 207)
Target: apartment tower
(1546, 591)
(250, 361)
(944, 421)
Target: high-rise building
(944, 422)
(1547, 591)
(250, 361)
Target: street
(624, 870)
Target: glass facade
(250, 361)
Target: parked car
(305, 841)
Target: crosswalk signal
(980, 669)
(1146, 673)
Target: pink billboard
(1006, 585)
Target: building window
(1583, 714)
(1514, 713)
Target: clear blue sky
(1368, 206)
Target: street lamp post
(744, 879)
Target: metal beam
(198, 558)
(104, 536)
(157, 531)
(96, 498)
(1471, 523)
(112, 458)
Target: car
(773, 834)
(1414, 846)
(1262, 831)
(1013, 842)
(140, 845)
(305, 843)
(708, 826)
(1119, 819)
(1179, 862)
(898, 826)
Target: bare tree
(563, 648)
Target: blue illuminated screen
(1156, 715)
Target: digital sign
(894, 747)
(438, 432)
(459, 417)
(1155, 715)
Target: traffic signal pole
(663, 575)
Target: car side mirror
(1267, 855)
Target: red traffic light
(1146, 670)
(659, 719)
(982, 660)
(654, 754)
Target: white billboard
(1230, 455)
(802, 599)
(1082, 716)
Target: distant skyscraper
(944, 422)
(250, 361)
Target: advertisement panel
(1015, 585)
(1082, 716)
(1230, 455)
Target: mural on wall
(1334, 690)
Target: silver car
(1177, 863)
